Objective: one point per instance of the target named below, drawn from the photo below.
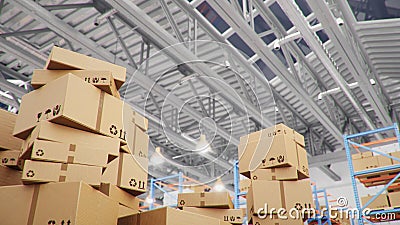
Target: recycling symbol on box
(30, 173)
(40, 152)
(182, 202)
(132, 183)
(256, 223)
(4, 160)
(298, 206)
(51, 222)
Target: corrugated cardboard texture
(132, 173)
(9, 176)
(66, 153)
(54, 132)
(75, 202)
(233, 216)
(10, 158)
(15, 204)
(169, 216)
(120, 195)
(68, 101)
(7, 123)
(60, 59)
(205, 199)
(100, 79)
(40, 172)
(379, 203)
(394, 199)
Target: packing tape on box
(283, 202)
(100, 111)
(71, 158)
(64, 168)
(33, 204)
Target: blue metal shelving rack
(238, 194)
(347, 142)
(320, 218)
(154, 185)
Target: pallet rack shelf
(349, 143)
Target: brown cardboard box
(119, 195)
(244, 185)
(43, 150)
(285, 195)
(9, 176)
(75, 202)
(10, 158)
(54, 132)
(384, 161)
(379, 203)
(275, 220)
(299, 139)
(72, 102)
(7, 123)
(205, 199)
(397, 155)
(41, 172)
(132, 173)
(62, 59)
(268, 148)
(140, 145)
(233, 216)
(15, 204)
(110, 173)
(101, 79)
(365, 163)
(124, 211)
(141, 122)
(170, 216)
(394, 199)
(362, 155)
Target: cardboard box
(244, 185)
(140, 145)
(365, 163)
(132, 173)
(285, 195)
(362, 155)
(10, 158)
(110, 173)
(72, 102)
(233, 216)
(268, 148)
(205, 199)
(43, 150)
(63, 59)
(275, 220)
(379, 203)
(397, 155)
(141, 121)
(394, 199)
(100, 79)
(124, 211)
(9, 176)
(170, 216)
(42, 172)
(73, 203)
(384, 161)
(54, 132)
(119, 195)
(7, 123)
(299, 138)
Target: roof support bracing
(7, 86)
(298, 19)
(331, 174)
(67, 6)
(171, 20)
(134, 16)
(224, 9)
(66, 31)
(24, 32)
(324, 15)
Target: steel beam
(24, 32)
(324, 15)
(295, 15)
(7, 86)
(331, 174)
(68, 6)
(171, 20)
(224, 9)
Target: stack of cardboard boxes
(275, 161)
(367, 160)
(78, 136)
(213, 204)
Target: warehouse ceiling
(223, 68)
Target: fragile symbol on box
(114, 131)
(55, 111)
